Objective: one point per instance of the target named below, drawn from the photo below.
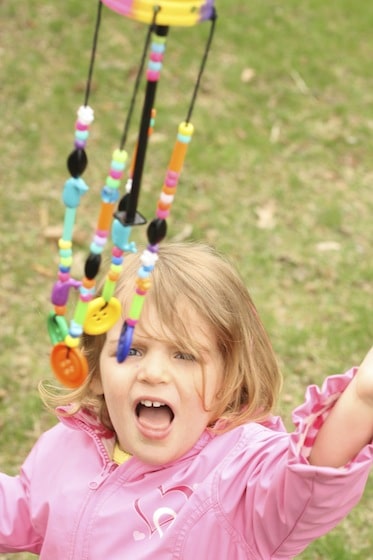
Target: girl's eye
(134, 352)
(185, 356)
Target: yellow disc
(183, 13)
(101, 315)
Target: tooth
(147, 403)
(157, 404)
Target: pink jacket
(247, 494)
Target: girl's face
(159, 398)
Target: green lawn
(278, 176)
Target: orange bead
(143, 284)
(168, 190)
(106, 216)
(178, 156)
(163, 206)
(113, 276)
(87, 283)
(60, 309)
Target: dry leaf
(53, 232)
(43, 271)
(266, 215)
(247, 75)
(328, 246)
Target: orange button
(69, 365)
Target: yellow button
(101, 315)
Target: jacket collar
(105, 439)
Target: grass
(278, 176)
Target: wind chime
(118, 214)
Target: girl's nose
(153, 370)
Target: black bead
(156, 231)
(92, 266)
(77, 162)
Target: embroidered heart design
(138, 536)
(169, 502)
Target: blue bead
(117, 260)
(110, 195)
(96, 249)
(125, 342)
(73, 189)
(75, 329)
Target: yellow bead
(71, 341)
(66, 261)
(63, 244)
(186, 129)
(116, 268)
(120, 155)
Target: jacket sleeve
(16, 530)
(287, 503)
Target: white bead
(85, 114)
(166, 198)
(148, 258)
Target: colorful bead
(71, 341)
(80, 312)
(85, 118)
(59, 310)
(91, 267)
(75, 329)
(73, 190)
(77, 162)
(155, 63)
(109, 289)
(136, 307)
(85, 115)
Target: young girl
(174, 453)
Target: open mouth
(154, 414)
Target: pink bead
(156, 57)
(86, 297)
(100, 241)
(171, 181)
(140, 292)
(172, 174)
(102, 233)
(81, 126)
(115, 174)
(63, 276)
(152, 75)
(116, 252)
(162, 214)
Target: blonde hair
(207, 281)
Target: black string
(213, 19)
(138, 79)
(93, 53)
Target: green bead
(80, 312)
(108, 291)
(136, 307)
